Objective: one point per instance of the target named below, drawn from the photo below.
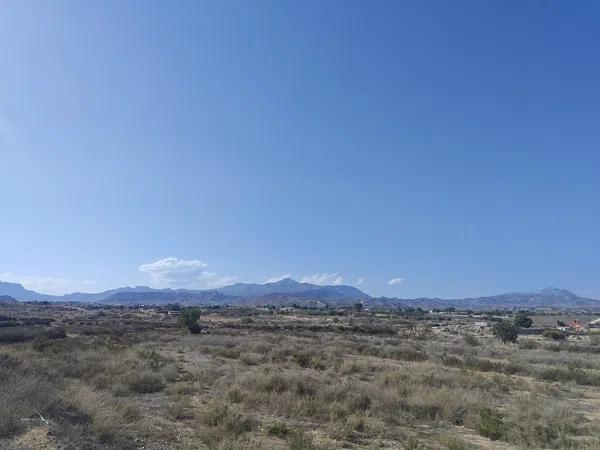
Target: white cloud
(49, 285)
(171, 270)
(277, 278)
(396, 281)
(323, 279)
(181, 273)
(359, 281)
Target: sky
(414, 148)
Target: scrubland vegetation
(74, 378)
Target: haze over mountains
(289, 291)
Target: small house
(576, 325)
(595, 323)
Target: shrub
(236, 423)
(16, 334)
(194, 328)
(44, 339)
(21, 395)
(301, 358)
(178, 409)
(299, 440)
(490, 423)
(309, 359)
(279, 429)
(214, 413)
(405, 354)
(189, 319)
(451, 442)
(235, 394)
(555, 335)
(356, 422)
(471, 340)
(529, 344)
(145, 382)
(579, 376)
(538, 422)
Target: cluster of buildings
(579, 325)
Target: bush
(16, 334)
(309, 359)
(537, 422)
(471, 340)
(279, 429)
(529, 344)
(21, 395)
(44, 340)
(579, 376)
(194, 328)
(490, 423)
(179, 408)
(189, 319)
(300, 440)
(451, 442)
(146, 382)
(556, 335)
(215, 413)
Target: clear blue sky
(454, 145)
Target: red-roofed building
(576, 325)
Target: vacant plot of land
(255, 379)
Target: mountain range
(549, 298)
(289, 291)
(232, 294)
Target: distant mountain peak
(284, 282)
(293, 288)
(557, 292)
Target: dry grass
(125, 379)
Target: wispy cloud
(277, 278)
(359, 281)
(396, 281)
(323, 279)
(49, 285)
(181, 273)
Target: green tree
(189, 319)
(522, 320)
(506, 331)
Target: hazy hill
(554, 298)
(98, 297)
(18, 292)
(159, 297)
(292, 287)
(7, 299)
